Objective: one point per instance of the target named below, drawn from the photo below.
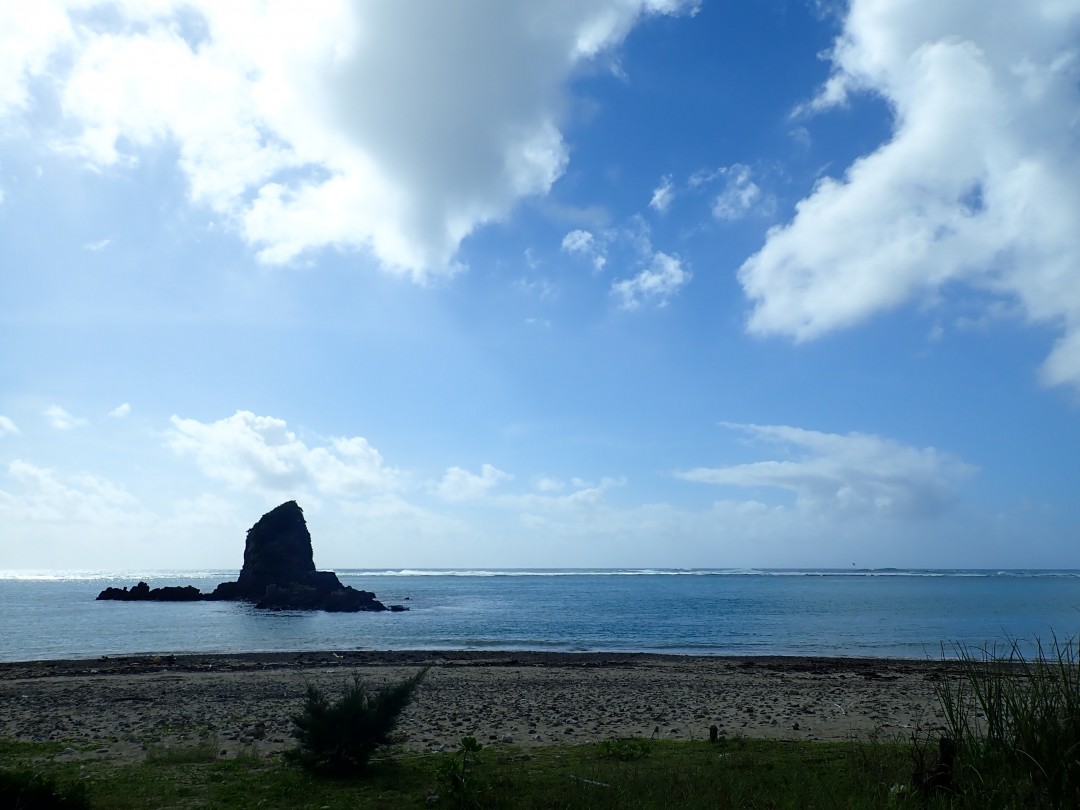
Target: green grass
(1015, 723)
(732, 773)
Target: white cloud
(586, 244)
(368, 125)
(458, 484)
(741, 196)
(547, 484)
(979, 183)
(847, 474)
(58, 520)
(99, 245)
(585, 495)
(663, 195)
(654, 284)
(260, 453)
(49, 498)
(540, 288)
(7, 426)
(61, 419)
(579, 242)
(29, 33)
(120, 411)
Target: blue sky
(565, 283)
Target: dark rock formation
(144, 593)
(278, 574)
(277, 552)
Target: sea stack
(277, 552)
(278, 574)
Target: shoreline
(132, 663)
(123, 707)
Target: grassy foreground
(621, 774)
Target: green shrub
(624, 750)
(26, 790)
(337, 738)
(456, 777)
(1014, 725)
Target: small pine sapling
(337, 738)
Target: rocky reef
(144, 593)
(278, 574)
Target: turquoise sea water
(882, 613)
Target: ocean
(861, 613)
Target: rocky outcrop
(278, 574)
(277, 553)
(144, 593)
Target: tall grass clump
(338, 737)
(1014, 724)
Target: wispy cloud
(584, 243)
(120, 411)
(61, 419)
(656, 284)
(850, 473)
(458, 484)
(7, 427)
(663, 195)
(741, 196)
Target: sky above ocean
(559, 283)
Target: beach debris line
(278, 574)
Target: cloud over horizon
(846, 474)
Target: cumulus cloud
(250, 452)
(120, 411)
(854, 473)
(655, 284)
(663, 195)
(7, 427)
(458, 484)
(61, 419)
(367, 125)
(979, 182)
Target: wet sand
(120, 708)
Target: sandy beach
(121, 707)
